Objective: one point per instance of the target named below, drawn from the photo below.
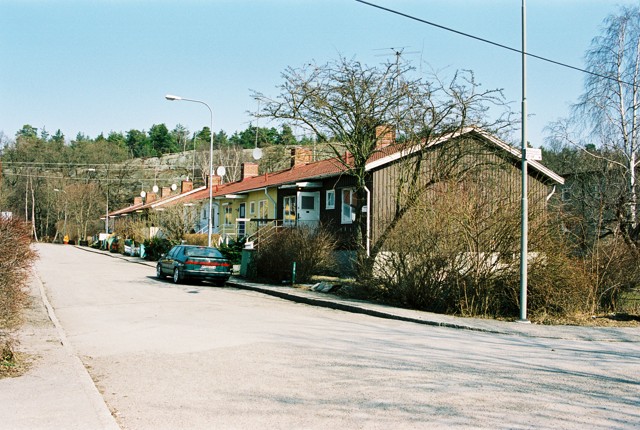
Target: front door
(241, 224)
(309, 208)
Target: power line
(499, 45)
(87, 180)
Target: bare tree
(346, 101)
(605, 121)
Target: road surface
(201, 357)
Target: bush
(614, 268)
(16, 258)
(200, 239)
(155, 247)
(233, 250)
(463, 258)
(311, 249)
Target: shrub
(16, 258)
(312, 249)
(200, 239)
(614, 268)
(233, 250)
(463, 258)
(155, 247)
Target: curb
(356, 309)
(96, 400)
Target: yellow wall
(263, 207)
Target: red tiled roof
(332, 167)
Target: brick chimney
(301, 156)
(187, 185)
(137, 200)
(248, 170)
(385, 135)
(165, 192)
(216, 180)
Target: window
(228, 215)
(348, 205)
(263, 211)
(307, 203)
(289, 210)
(331, 199)
(252, 208)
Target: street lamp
(175, 98)
(64, 227)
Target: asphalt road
(202, 357)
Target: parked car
(201, 263)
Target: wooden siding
(459, 161)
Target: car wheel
(159, 273)
(176, 276)
(220, 282)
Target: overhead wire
(499, 45)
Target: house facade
(322, 192)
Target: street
(195, 356)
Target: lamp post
(64, 227)
(524, 226)
(174, 98)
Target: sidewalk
(57, 391)
(300, 295)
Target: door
(289, 210)
(309, 208)
(242, 224)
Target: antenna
(398, 52)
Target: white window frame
(228, 210)
(293, 201)
(330, 199)
(252, 208)
(346, 209)
(263, 209)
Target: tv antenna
(398, 52)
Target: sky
(96, 66)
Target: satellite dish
(155, 188)
(174, 187)
(257, 154)
(220, 171)
(143, 194)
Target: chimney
(385, 135)
(216, 180)
(137, 200)
(165, 192)
(187, 185)
(151, 197)
(248, 170)
(300, 156)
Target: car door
(168, 260)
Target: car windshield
(203, 252)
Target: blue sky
(95, 66)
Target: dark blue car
(191, 262)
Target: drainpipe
(553, 191)
(368, 220)
(275, 204)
